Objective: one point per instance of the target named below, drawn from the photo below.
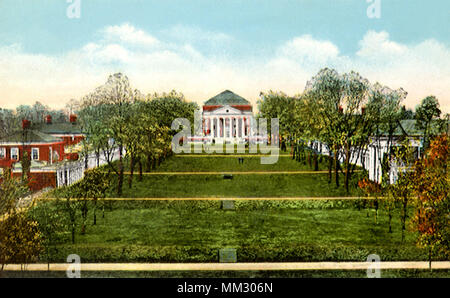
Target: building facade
(48, 145)
(227, 118)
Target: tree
(425, 113)
(93, 187)
(430, 184)
(67, 202)
(407, 114)
(20, 239)
(341, 107)
(386, 112)
(51, 225)
(26, 165)
(401, 189)
(278, 105)
(324, 93)
(115, 98)
(371, 189)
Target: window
(15, 153)
(2, 153)
(34, 153)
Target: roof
(226, 98)
(30, 136)
(58, 128)
(408, 127)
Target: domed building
(227, 118)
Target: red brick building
(46, 144)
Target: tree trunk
(120, 182)
(130, 178)
(330, 168)
(84, 212)
(316, 162)
(95, 212)
(404, 215)
(336, 168)
(73, 232)
(429, 258)
(149, 163)
(140, 170)
(347, 167)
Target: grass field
(276, 185)
(261, 231)
(187, 231)
(244, 185)
(219, 164)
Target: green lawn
(188, 231)
(201, 186)
(205, 163)
(242, 185)
(261, 231)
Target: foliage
(431, 185)
(425, 113)
(20, 240)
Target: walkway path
(225, 199)
(230, 155)
(232, 173)
(231, 266)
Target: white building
(228, 118)
(371, 157)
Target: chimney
(48, 119)
(73, 119)
(26, 124)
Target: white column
(232, 126)
(210, 127)
(217, 127)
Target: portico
(227, 119)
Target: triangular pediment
(226, 110)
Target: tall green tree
(425, 113)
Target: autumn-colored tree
(371, 189)
(431, 185)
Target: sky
(202, 47)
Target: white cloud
(421, 69)
(376, 45)
(128, 34)
(309, 51)
(177, 60)
(192, 34)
